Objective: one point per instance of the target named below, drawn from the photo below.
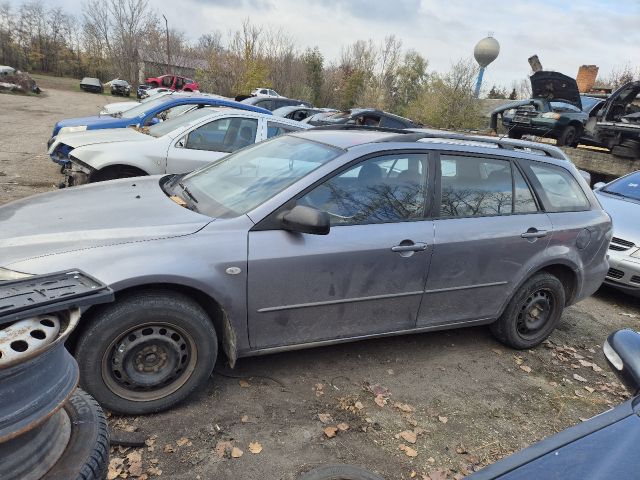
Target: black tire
(146, 352)
(570, 136)
(86, 456)
(515, 134)
(340, 472)
(519, 326)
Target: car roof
(346, 137)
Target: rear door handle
(534, 233)
(415, 247)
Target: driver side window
(223, 135)
(391, 188)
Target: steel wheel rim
(149, 361)
(535, 313)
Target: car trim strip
(374, 297)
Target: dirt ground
(426, 406)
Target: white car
(265, 92)
(119, 107)
(177, 145)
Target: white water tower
(485, 52)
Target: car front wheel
(532, 314)
(570, 136)
(146, 352)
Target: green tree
(314, 66)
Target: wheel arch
(227, 337)
(114, 168)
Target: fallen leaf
(330, 432)
(222, 447)
(443, 419)
(244, 419)
(324, 417)
(584, 363)
(404, 407)
(579, 378)
(408, 451)
(115, 468)
(408, 436)
(525, 368)
(155, 471)
(419, 431)
(589, 389)
(431, 460)
(236, 452)
(380, 400)
(390, 371)
(518, 360)
(184, 441)
(440, 474)
(461, 449)
(358, 405)
(343, 427)
(596, 368)
(578, 393)
(413, 474)
(169, 449)
(255, 447)
(244, 383)
(134, 456)
(630, 315)
(379, 390)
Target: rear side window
(561, 190)
(473, 187)
(391, 123)
(275, 129)
(524, 201)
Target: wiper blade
(186, 191)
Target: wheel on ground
(146, 352)
(340, 472)
(86, 456)
(532, 314)
(570, 136)
(515, 134)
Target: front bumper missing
(75, 174)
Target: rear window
(561, 190)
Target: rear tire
(146, 352)
(532, 314)
(570, 136)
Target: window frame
(286, 127)
(540, 191)
(437, 203)
(272, 220)
(231, 118)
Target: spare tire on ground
(340, 472)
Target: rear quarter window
(559, 189)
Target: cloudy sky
(564, 34)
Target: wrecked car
(367, 117)
(555, 110)
(621, 200)
(142, 115)
(178, 145)
(617, 125)
(90, 84)
(299, 113)
(312, 238)
(120, 87)
(272, 103)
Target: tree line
(109, 39)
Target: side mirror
(622, 351)
(304, 219)
(599, 185)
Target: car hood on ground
(624, 214)
(555, 86)
(95, 215)
(90, 137)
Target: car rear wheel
(146, 352)
(570, 136)
(532, 314)
(515, 134)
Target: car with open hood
(177, 145)
(621, 200)
(142, 115)
(555, 110)
(367, 117)
(316, 237)
(617, 125)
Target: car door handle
(415, 247)
(534, 233)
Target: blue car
(143, 115)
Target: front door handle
(534, 233)
(414, 247)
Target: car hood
(90, 137)
(624, 214)
(91, 216)
(91, 122)
(555, 86)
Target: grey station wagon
(312, 238)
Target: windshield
(240, 182)
(144, 108)
(168, 126)
(628, 186)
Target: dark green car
(556, 110)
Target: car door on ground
(488, 229)
(365, 277)
(211, 141)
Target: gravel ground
(465, 398)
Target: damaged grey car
(312, 238)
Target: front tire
(532, 314)
(146, 352)
(570, 136)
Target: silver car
(621, 199)
(312, 238)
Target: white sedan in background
(178, 145)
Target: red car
(174, 82)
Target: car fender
(120, 154)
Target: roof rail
(344, 126)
